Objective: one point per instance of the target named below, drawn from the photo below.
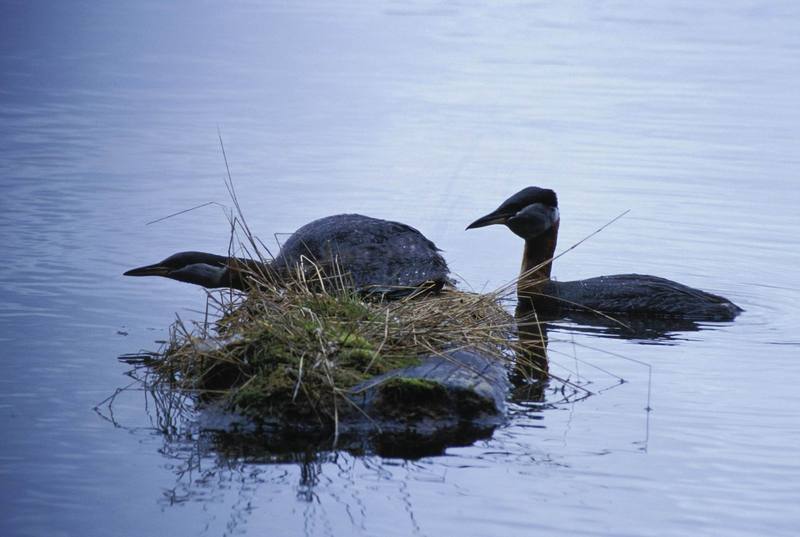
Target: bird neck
(241, 273)
(537, 260)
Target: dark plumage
(376, 254)
(640, 295)
(533, 215)
(373, 255)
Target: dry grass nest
(294, 350)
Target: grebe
(533, 215)
(375, 256)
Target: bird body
(533, 215)
(376, 255)
(639, 295)
(370, 255)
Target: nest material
(294, 350)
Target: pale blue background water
(687, 113)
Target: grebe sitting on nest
(372, 255)
(533, 215)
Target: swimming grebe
(533, 215)
(373, 255)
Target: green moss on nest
(404, 390)
(403, 398)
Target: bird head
(529, 213)
(200, 268)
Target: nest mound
(297, 351)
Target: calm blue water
(686, 113)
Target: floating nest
(297, 351)
(302, 347)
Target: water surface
(686, 113)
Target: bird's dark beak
(149, 270)
(496, 217)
